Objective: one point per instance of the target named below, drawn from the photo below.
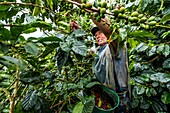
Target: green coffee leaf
(16, 31)
(18, 62)
(155, 84)
(30, 30)
(78, 108)
(143, 5)
(166, 64)
(4, 7)
(5, 34)
(49, 48)
(65, 46)
(165, 98)
(160, 48)
(12, 12)
(51, 38)
(147, 91)
(79, 48)
(41, 24)
(50, 3)
(152, 51)
(144, 104)
(161, 77)
(61, 58)
(141, 47)
(165, 34)
(123, 33)
(153, 91)
(2, 15)
(89, 103)
(37, 10)
(70, 107)
(34, 102)
(166, 50)
(30, 80)
(6, 76)
(78, 33)
(165, 18)
(157, 107)
(141, 33)
(32, 48)
(140, 90)
(135, 102)
(3, 47)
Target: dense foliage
(52, 72)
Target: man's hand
(74, 25)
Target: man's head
(101, 39)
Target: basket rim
(118, 100)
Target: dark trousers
(124, 104)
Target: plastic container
(111, 93)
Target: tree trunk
(14, 95)
(12, 105)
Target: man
(111, 64)
(111, 69)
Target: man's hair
(94, 30)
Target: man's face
(101, 39)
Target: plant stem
(14, 95)
(50, 93)
(150, 61)
(25, 89)
(62, 107)
(54, 101)
(88, 10)
(6, 90)
(167, 42)
(26, 4)
(168, 27)
(57, 104)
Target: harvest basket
(110, 96)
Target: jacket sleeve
(104, 69)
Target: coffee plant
(52, 72)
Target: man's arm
(104, 27)
(103, 24)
